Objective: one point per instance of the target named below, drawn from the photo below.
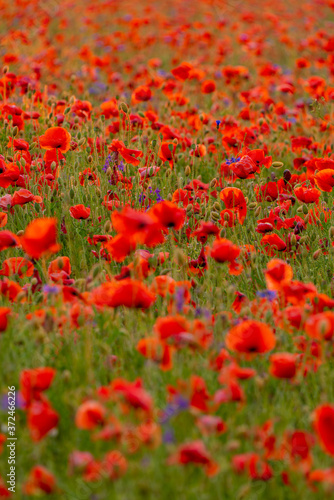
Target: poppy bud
(317, 254)
(305, 210)
(258, 211)
(215, 215)
(287, 175)
(109, 172)
(67, 110)
(154, 142)
(216, 206)
(34, 281)
(222, 233)
(82, 141)
(37, 207)
(5, 70)
(277, 164)
(23, 162)
(107, 227)
(124, 107)
(66, 375)
(15, 131)
(331, 232)
(71, 194)
(20, 233)
(169, 197)
(226, 216)
(303, 240)
(307, 219)
(189, 210)
(187, 170)
(293, 240)
(175, 141)
(90, 159)
(252, 205)
(213, 183)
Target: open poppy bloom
(90, 414)
(234, 200)
(40, 238)
(128, 293)
(40, 481)
(80, 212)
(56, 138)
(224, 250)
(129, 155)
(283, 365)
(324, 426)
(4, 313)
(197, 454)
(168, 215)
(251, 337)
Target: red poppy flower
(40, 238)
(324, 180)
(56, 138)
(40, 481)
(307, 194)
(17, 265)
(183, 71)
(90, 415)
(167, 152)
(168, 215)
(129, 155)
(251, 337)
(234, 200)
(4, 312)
(324, 426)
(41, 419)
(208, 86)
(277, 274)
(128, 293)
(197, 454)
(283, 365)
(35, 381)
(8, 240)
(225, 251)
(80, 212)
(3, 219)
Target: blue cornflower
(267, 294)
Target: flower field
(166, 250)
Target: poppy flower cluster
(166, 243)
